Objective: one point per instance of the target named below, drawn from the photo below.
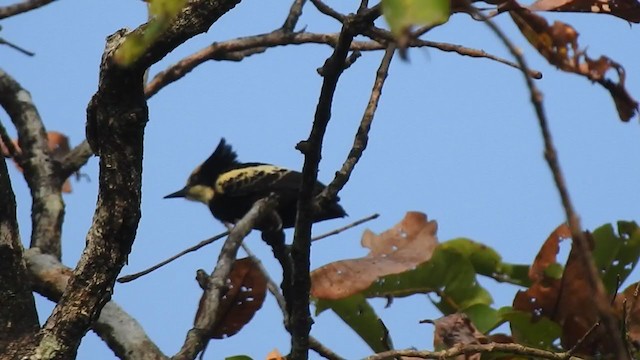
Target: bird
(230, 188)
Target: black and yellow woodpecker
(230, 188)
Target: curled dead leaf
(247, 287)
(558, 43)
(401, 248)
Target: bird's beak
(178, 194)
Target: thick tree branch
(18, 316)
(118, 110)
(122, 333)
(47, 209)
(197, 337)
(580, 241)
(21, 7)
(116, 118)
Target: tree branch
(47, 209)
(580, 241)
(237, 49)
(514, 349)
(300, 318)
(18, 316)
(122, 333)
(362, 135)
(21, 7)
(197, 337)
(294, 14)
(75, 160)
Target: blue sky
(454, 137)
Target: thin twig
(346, 227)
(21, 7)
(237, 49)
(128, 278)
(580, 241)
(362, 135)
(584, 337)
(328, 10)
(203, 243)
(16, 47)
(197, 338)
(314, 344)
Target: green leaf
(401, 15)
(448, 273)
(238, 357)
(161, 14)
(616, 255)
(356, 312)
(539, 333)
(484, 317)
(488, 262)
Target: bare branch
(24, 51)
(197, 337)
(128, 278)
(514, 349)
(237, 49)
(362, 135)
(329, 11)
(47, 209)
(346, 227)
(294, 14)
(21, 7)
(122, 333)
(580, 241)
(300, 318)
(75, 160)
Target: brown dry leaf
(408, 244)
(558, 43)
(540, 299)
(275, 355)
(247, 288)
(58, 148)
(455, 330)
(577, 311)
(547, 254)
(625, 9)
(567, 301)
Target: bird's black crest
(223, 158)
